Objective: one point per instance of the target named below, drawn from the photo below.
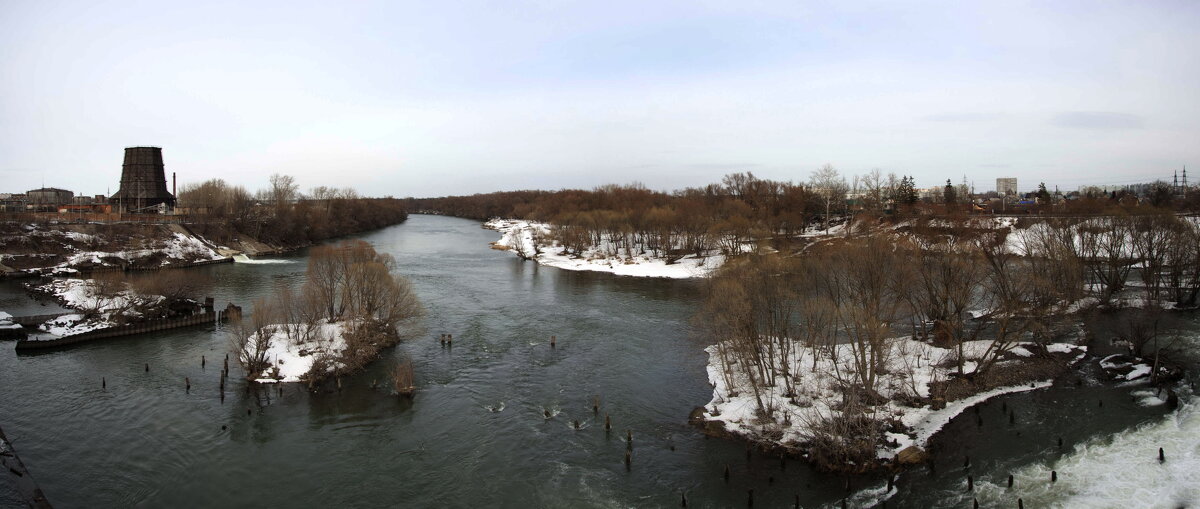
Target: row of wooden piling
(448, 340)
(187, 381)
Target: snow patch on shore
(100, 309)
(178, 249)
(911, 368)
(524, 236)
(293, 355)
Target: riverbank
(31, 249)
(919, 385)
(532, 240)
(111, 307)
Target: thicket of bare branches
(348, 283)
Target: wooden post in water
(1162, 457)
(967, 462)
(1020, 504)
(970, 483)
(596, 405)
(891, 480)
(202, 362)
(103, 383)
(683, 499)
(750, 498)
(552, 341)
(147, 367)
(1053, 476)
(628, 459)
(1010, 480)
(449, 339)
(629, 439)
(726, 475)
(607, 422)
(1060, 442)
(187, 384)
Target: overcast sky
(437, 98)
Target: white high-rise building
(1006, 185)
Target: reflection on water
(626, 341)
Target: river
(144, 441)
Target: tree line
(280, 214)
(743, 210)
(719, 217)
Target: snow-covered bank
(911, 367)
(69, 248)
(530, 239)
(99, 307)
(292, 355)
(178, 249)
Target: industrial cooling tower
(143, 182)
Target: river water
(144, 441)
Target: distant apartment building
(1006, 185)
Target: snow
(6, 322)
(518, 236)
(1107, 362)
(1139, 370)
(179, 248)
(911, 366)
(294, 353)
(1021, 351)
(84, 294)
(99, 310)
(72, 324)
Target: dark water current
(145, 442)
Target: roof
(48, 190)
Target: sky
(442, 98)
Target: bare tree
(251, 338)
(831, 187)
